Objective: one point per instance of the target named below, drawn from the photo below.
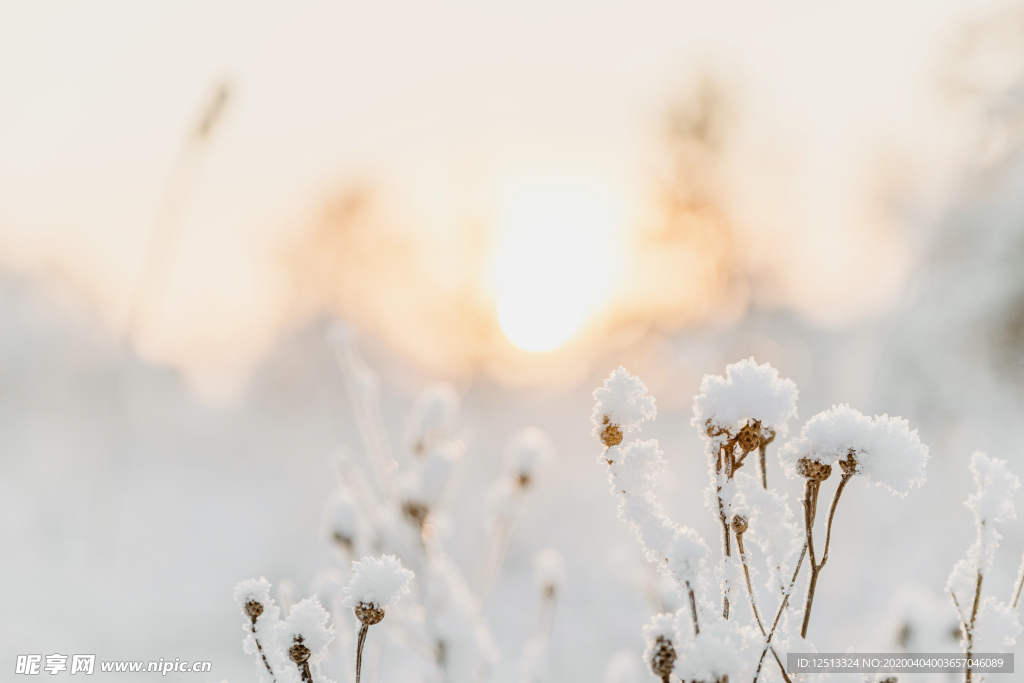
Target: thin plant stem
(970, 629)
(359, 650)
(1020, 584)
(693, 609)
(778, 614)
(260, 648)
(762, 450)
(724, 456)
(753, 603)
(815, 566)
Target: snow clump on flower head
(622, 404)
(993, 501)
(379, 582)
(748, 393)
(433, 417)
(660, 654)
(526, 453)
(685, 555)
(884, 449)
(252, 591)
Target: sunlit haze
(820, 161)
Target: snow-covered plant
(253, 596)
(660, 654)
(986, 624)
(375, 585)
(736, 415)
(882, 449)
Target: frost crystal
(379, 582)
(623, 400)
(885, 450)
(747, 392)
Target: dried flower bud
(739, 524)
(663, 659)
(749, 437)
(369, 613)
(416, 512)
(299, 653)
(849, 464)
(253, 610)
(611, 435)
(813, 470)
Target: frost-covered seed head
(813, 470)
(611, 435)
(298, 652)
(884, 450)
(368, 613)
(749, 437)
(739, 524)
(253, 610)
(749, 392)
(622, 404)
(663, 659)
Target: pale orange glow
(559, 265)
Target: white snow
(623, 400)
(887, 451)
(378, 581)
(747, 392)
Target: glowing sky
(840, 109)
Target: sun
(556, 265)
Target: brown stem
(1020, 585)
(359, 649)
(778, 614)
(693, 609)
(809, 514)
(763, 448)
(260, 649)
(725, 455)
(970, 629)
(753, 603)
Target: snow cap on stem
(883, 449)
(433, 417)
(622, 404)
(660, 634)
(748, 393)
(993, 499)
(375, 585)
(304, 637)
(253, 596)
(548, 572)
(685, 556)
(526, 453)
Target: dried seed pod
(813, 470)
(663, 660)
(849, 464)
(739, 524)
(416, 512)
(299, 653)
(611, 435)
(369, 613)
(253, 610)
(749, 437)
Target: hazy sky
(845, 132)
